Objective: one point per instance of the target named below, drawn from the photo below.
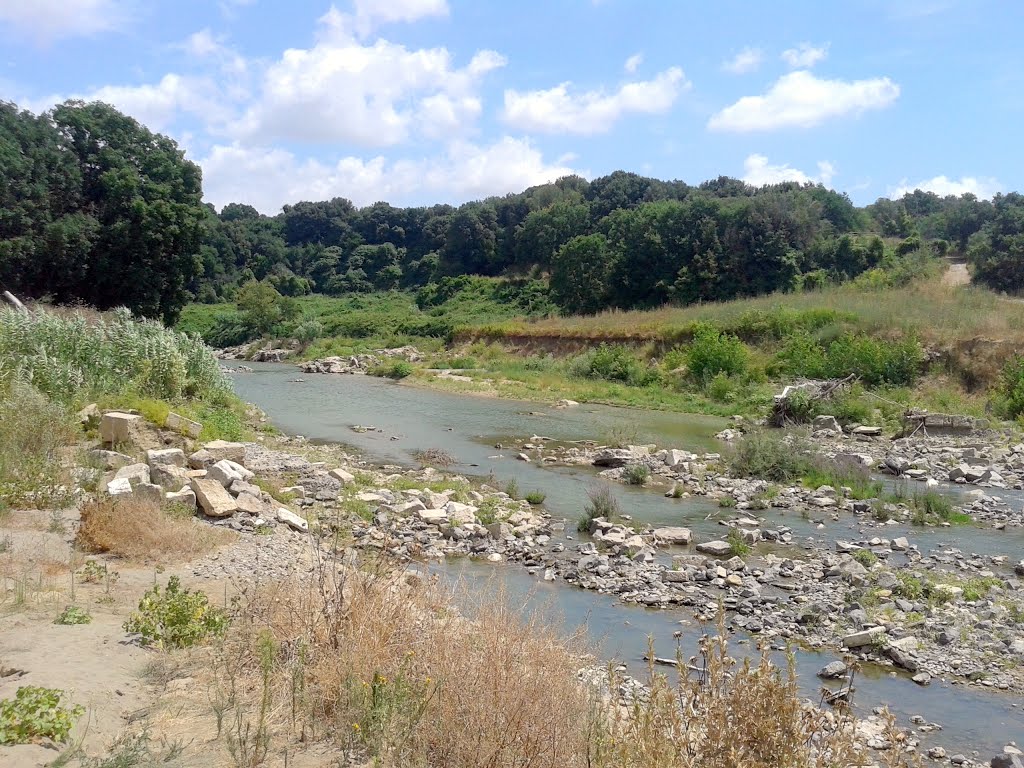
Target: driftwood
(815, 391)
(12, 300)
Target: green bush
(865, 557)
(613, 363)
(175, 618)
(1010, 390)
(73, 615)
(737, 546)
(637, 474)
(536, 498)
(397, 369)
(36, 713)
(601, 502)
(712, 352)
(874, 361)
(764, 456)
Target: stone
(118, 428)
(833, 670)
(673, 535)
(183, 425)
(900, 544)
(866, 431)
(295, 491)
(566, 403)
(167, 457)
(293, 521)
(674, 458)
(922, 678)
(149, 491)
(865, 637)
(110, 459)
(826, 422)
(715, 548)
(433, 500)
(213, 498)
(342, 476)
(459, 513)
(90, 413)
(222, 450)
(614, 458)
(119, 486)
(1007, 760)
(170, 477)
(134, 473)
(201, 459)
(186, 497)
(253, 505)
(226, 472)
(734, 580)
(433, 516)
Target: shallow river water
(408, 419)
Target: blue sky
(422, 101)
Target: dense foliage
(95, 208)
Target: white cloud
(747, 60)
(802, 100)
(758, 172)
(49, 20)
(805, 55)
(373, 95)
(368, 15)
(556, 110)
(982, 187)
(269, 178)
(633, 63)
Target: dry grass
(937, 313)
(142, 531)
(384, 670)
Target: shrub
(141, 530)
(613, 363)
(397, 369)
(875, 361)
(73, 615)
(727, 502)
(512, 488)
(637, 474)
(865, 557)
(1010, 390)
(37, 713)
(175, 618)
(601, 502)
(855, 477)
(737, 546)
(712, 352)
(766, 457)
(536, 498)
(932, 506)
(33, 433)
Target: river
(406, 419)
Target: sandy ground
(957, 274)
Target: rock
(213, 498)
(222, 450)
(149, 491)
(91, 412)
(226, 472)
(201, 459)
(1019, 568)
(613, 457)
(826, 422)
(734, 580)
(566, 403)
(250, 504)
(523, 457)
(170, 477)
(673, 535)
(922, 678)
(460, 514)
(292, 520)
(118, 428)
(865, 431)
(119, 486)
(900, 544)
(183, 425)
(674, 458)
(433, 516)
(833, 670)
(110, 459)
(715, 548)
(342, 476)
(134, 474)
(865, 637)
(295, 491)
(1007, 760)
(186, 497)
(937, 753)
(167, 457)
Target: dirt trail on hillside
(956, 274)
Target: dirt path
(956, 274)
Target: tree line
(98, 209)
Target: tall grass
(69, 358)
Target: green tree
(262, 307)
(580, 274)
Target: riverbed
(398, 421)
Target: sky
(424, 101)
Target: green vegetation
(865, 557)
(176, 617)
(765, 456)
(536, 498)
(932, 507)
(637, 474)
(73, 614)
(601, 502)
(397, 369)
(37, 713)
(737, 544)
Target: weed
(932, 506)
(536, 498)
(601, 502)
(37, 713)
(909, 586)
(767, 457)
(865, 557)
(176, 617)
(487, 512)
(512, 489)
(727, 502)
(73, 615)
(435, 457)
(737, 545)
(637, 474)
(397, 369)
(5, 544)
(56, 522)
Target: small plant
(399, 369)
(73, 615)
(637, 474)
(175, 618)
(512, 489)
(727, 502)
(435, 457)
(932, 506)
(865, 557)
(56, 524)
(737, 546)
(94, 571)
(5, 544)
(487, 512)
(677, 491)
(909, 586)
(601, 502)
(37, 713)
(536, 498)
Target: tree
(997, 251)
(262, 307)
(580, 274)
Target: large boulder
(110, 459)
(186, 497)
(614, 457)
(170, 477)
(865, 637)
(673, 535)
(213, 498)
(226, 472)
(127, 429)
(826, 423)
(134, 474)
(715, 548)
(166, 458)
(222, 450)
(183, 425)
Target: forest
(97, 209)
